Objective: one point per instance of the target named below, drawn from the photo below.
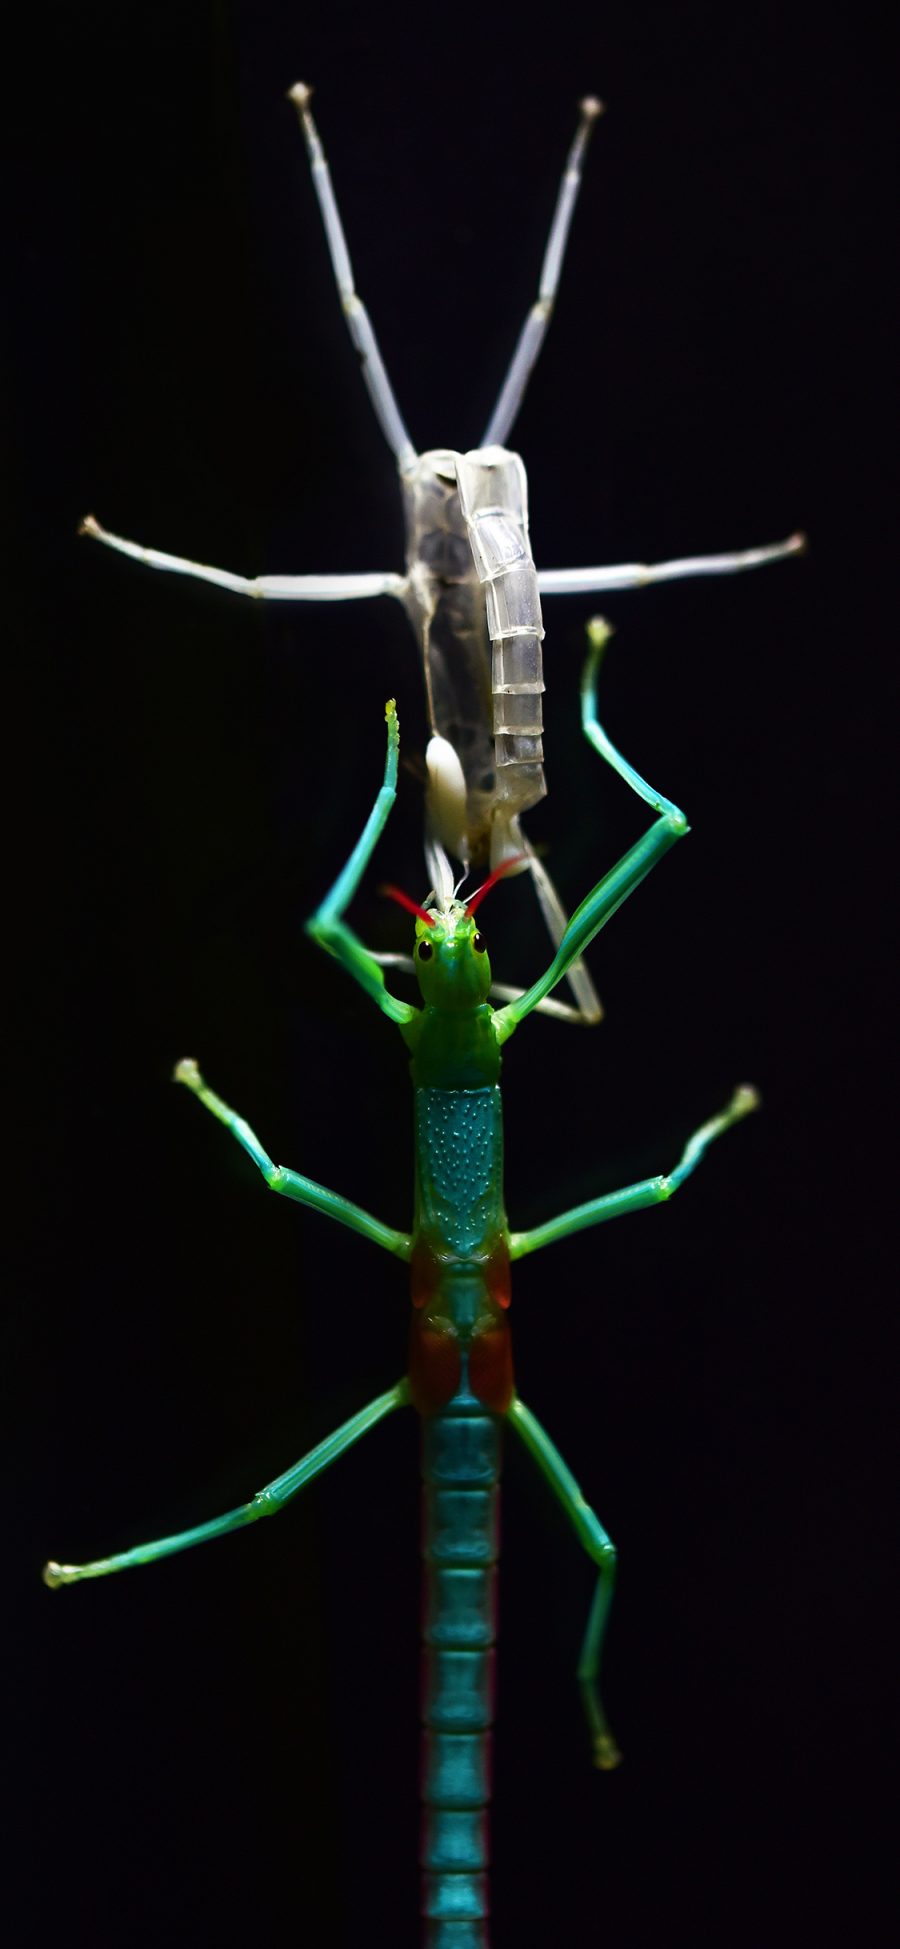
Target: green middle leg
(647, 1191)
(290, 1183)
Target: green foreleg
(267, 1502)
(633, 867)
(593, 1538)
(636, 1197)
(327, 925)
(290, 1183)
(593, 914)
(598, 634)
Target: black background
(222, 1750)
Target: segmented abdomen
(460, 1469)
(493, 496)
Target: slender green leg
(267, 1502)
(599, 632)
(633, 867)
(593, 1538)
(593, 914)
(290, 1183)
(327, 925)
(637, 1197)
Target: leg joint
(324, 930)
(600, 1547)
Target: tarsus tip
(606, 1752)
(301, 93)
(54, 1575)
(591, 106)
(187, 1071)
(89, 525)
(746, 1098)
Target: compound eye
(479, 944)
(424, 950)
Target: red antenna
(403, 900)
(505, 866)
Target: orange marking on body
(435, 1366)
(497, 1275)
(424, 1273)
(491, 1368)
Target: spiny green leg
(593, 1538)
(633, 867)
(267, 1502)
(648, 1191)
(290, 1183)
(327, 925)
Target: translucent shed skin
(471, 588)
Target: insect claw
(301, 93)
(606, 1752)
(187, 1071)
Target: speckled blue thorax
(459, 1153)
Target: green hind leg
(601, 1550)
(648, 1191)
(267, 1501)
(290, 1183)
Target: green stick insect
(460, 1376)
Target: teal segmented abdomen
(460, 1468)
